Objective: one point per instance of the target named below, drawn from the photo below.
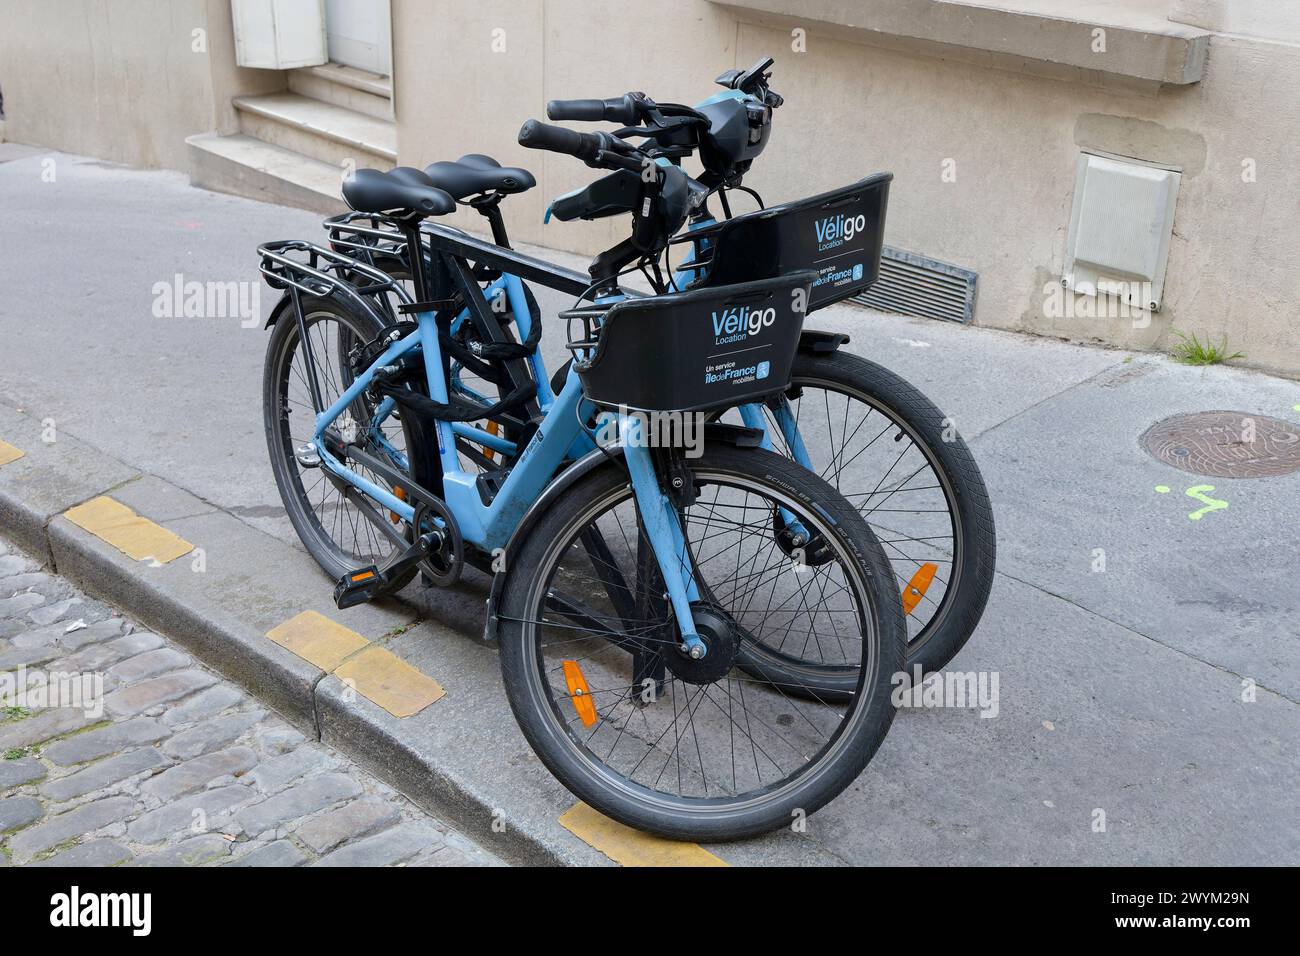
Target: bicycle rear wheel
(342, 529)
(897, 458)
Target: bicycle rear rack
(365, 233)
(320, 272)
(372, 235)
(375, 238)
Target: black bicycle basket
(691, 351)
(837, 234)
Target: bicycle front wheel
(590, 651)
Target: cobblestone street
(174, 766)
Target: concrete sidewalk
(1121, 690)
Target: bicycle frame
(512, 288)
(489, 525)
(751, 414)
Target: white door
(359, 34)
(279, 34)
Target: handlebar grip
(619, 109)
(576, 109)
(557, 139)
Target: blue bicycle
(874, 436)
(632, 579)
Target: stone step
(245, 166)
(345, 86)
(320, 130)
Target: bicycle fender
(736, 435)
(821, 343)
(284, 305)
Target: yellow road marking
(383, 677)
(9, 453)
(629, 847)
(375, 673)
(133, 535)
(317, 639)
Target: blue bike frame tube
(382, 411)
(512, 287)
(790, 430)
(752, 415)
(663, 529)
(524, 323)
(427, 333)
(327, 418)
(478, 435)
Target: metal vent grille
(916, 285)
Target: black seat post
(415, 253)
(490, 208)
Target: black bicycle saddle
(402, 191)
(475, 173)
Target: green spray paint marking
(1163, 489)
(1211, 504)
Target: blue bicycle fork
(663, 529)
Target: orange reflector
(580, 693)
(400, 494)
(363, 576)
(493, 429)
(916, 588)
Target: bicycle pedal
(366, 584)
(358, 587)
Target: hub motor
(721, 639)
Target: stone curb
(229, 636)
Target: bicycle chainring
(443, 566)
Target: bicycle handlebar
(620, 109)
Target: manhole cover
(1226, 444)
